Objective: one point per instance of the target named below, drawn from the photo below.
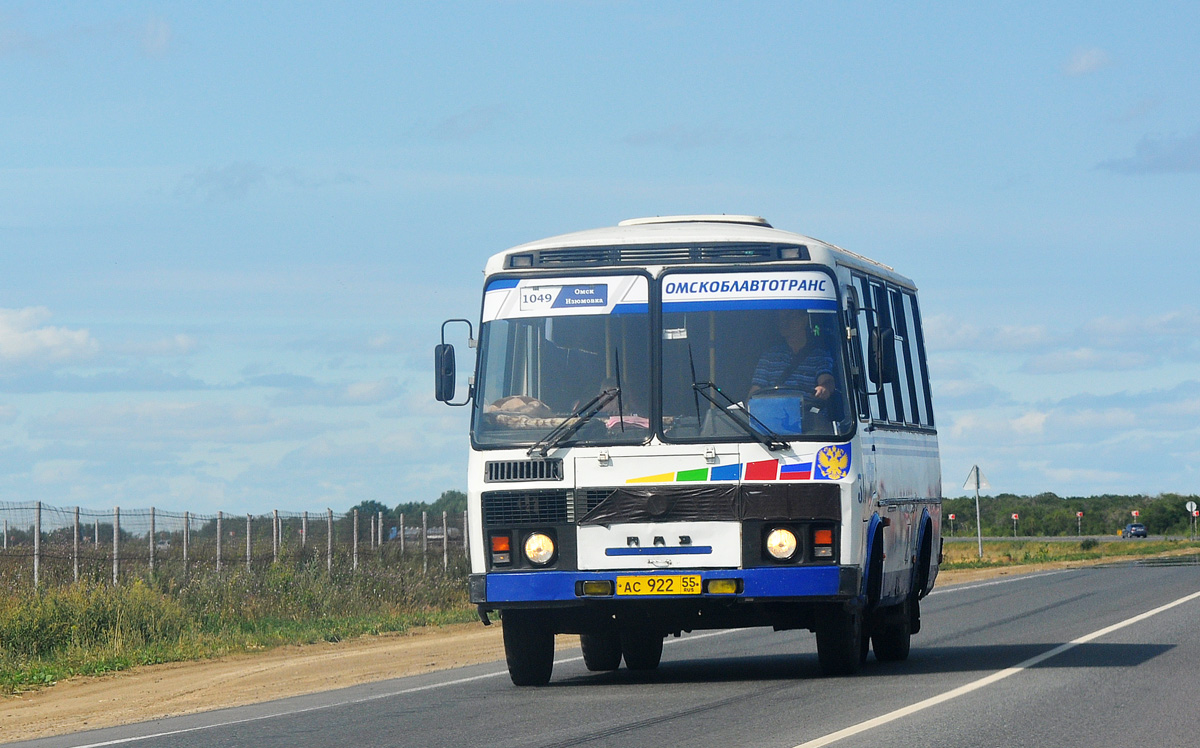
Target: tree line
(1048, 514)
(452, 502)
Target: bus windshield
(752, 350)
(549, 347)
(745, 356)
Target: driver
(794, 364)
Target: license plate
(663, 584)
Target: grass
(93, 627)
(998, 553)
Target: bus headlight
(781, 544)
(539, 548)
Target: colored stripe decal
(762, 470)
(726, 472)
(660, 550)
(496, 285)
(700, 474)
(660, 478)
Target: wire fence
(45, 544)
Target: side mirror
(445, 372)
(882, 366)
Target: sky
(229, 232)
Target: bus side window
(920, 369)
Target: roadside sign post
(1079, 524)
(976, 481)
(1015, 518)
(1191, 507)
(951, 525)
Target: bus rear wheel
(840, 642)
(602, 651)
(528, 647)
(642, 649)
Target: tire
(642, 649)
(840, 643)
(893, 636)
(528, 647)
(601, 652)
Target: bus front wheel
(840, 642)
(528, 647)
(893, 635)
(601, 651)
(642, 649)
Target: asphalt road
(1090, 657)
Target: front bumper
(760, 584)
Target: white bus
(698, 422)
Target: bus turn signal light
(822, 543)
(501, 549)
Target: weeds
(92, 627)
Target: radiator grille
(503, 471)
(517, 508)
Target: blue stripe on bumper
(559, 586)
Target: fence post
(116, 544)
(329, 540)
(187, 530)
(37, 542)
(220, 516)
(96, 536)
(445, 543)
(425, 542)
(380, 526)
(372, 532)
(402, 535)
(465, 541)
(354, 542)
(248, 528)
(274, 536)
(6, 534)
(304, 530)
(75, 546)
(151, 540)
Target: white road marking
(988, 680)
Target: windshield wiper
(573, 422)
(765, 435)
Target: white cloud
(1086, 359)
(303, 391)
(1176, 154)
(1032, 422)
(156, 37)
(1085, 61)
(947, 333)
(24, 340)
(171, 422)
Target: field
(93, 627)
(1000, 553)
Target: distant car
(1134, 530)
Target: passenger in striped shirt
(794, 364)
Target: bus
(697, 422)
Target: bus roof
(699, 232)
